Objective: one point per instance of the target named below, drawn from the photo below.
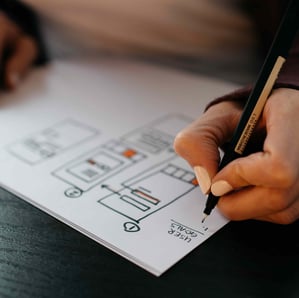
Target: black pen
(261, 91)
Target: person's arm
(21, 43)
(266, 29)
(264, 184)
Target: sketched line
(187, 227)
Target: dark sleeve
(28, 21)
(289, 74)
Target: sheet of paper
(90, 143)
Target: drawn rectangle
(134, 203)
(146, 190)
(50, 141)
(91, 169)
(157, 136)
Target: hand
(263, 185)
(17, 51)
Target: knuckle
(191, 140)
(182, 142)
(232, 215)
(283, 173)
(238, 170)
(276, 203)
(229, 212)
(286, 218)
(290, 215)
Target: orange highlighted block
(129, 153)
(194, 181)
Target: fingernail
(203, 178)
(14, 79)
(220, 188)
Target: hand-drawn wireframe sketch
(122, 186)
(149, 191)
(50, 141)
(94, 167)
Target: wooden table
(41, 257)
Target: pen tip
(204, 218)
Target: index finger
(199, 143)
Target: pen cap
(287, 30)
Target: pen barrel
(274, 61)
(227, 158)
(212, 199)
(210, 204)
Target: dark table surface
(41, 257)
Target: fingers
(199, 142)
(267, 204)
(8, 34)
(259, 169)
(265, 185)
(286, 216)
(253, 202)
(17, 52)
(21, 59)
(277, 166)
(191, 145)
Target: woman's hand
(264, 185)
(17, 51)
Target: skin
(22, 51)
(264, 184)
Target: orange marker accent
(129, 153)
(194, 181)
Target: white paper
(91, 144)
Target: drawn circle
(131, 227)
(73, 192)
